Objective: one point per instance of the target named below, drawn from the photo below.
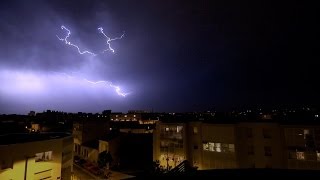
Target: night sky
(175, 55)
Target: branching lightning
(70, 44)
(109, 40)
(105, 83)
(88, 52)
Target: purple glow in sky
(36, 89)
(176, 55)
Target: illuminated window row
(177, 129)
(218, 147)
(302, 156)
(134, 119)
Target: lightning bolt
(106, 83)
(70, 44)
(110, 84)
(116, 88)
(65, 40)
(109, 40)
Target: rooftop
(17, 138)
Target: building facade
(36, 156)
(262, 144)
(302, 146)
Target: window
(300, 155)
(318, 156)
(206, 146)
(267, 151)
(179, 129)
(250, 150)
(268, 165)
(231, 147)
(225, 147)
(211, 146)
(249, 132)
(167, 129)
(164, 144)
(218, 147)
(195, 130)
(292, 155)
(267, 133)
(43, 156)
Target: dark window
(267, 151)
(250, 150)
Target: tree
(157, 168)
(104, 158)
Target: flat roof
(17, 138)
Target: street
(79, 174)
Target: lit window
(179, 129)
(300, 155)
(125, 115)
(116, 115)
(43, 156)
(195, 130)
(134, 116)
(316, 115)
(211, 146)
(318, 156)
(167, 129)
(218, 147)
(206, 146)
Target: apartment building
(207, 146)
(88, 129)
(238, 144)
(302, 146)
(36, 156)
